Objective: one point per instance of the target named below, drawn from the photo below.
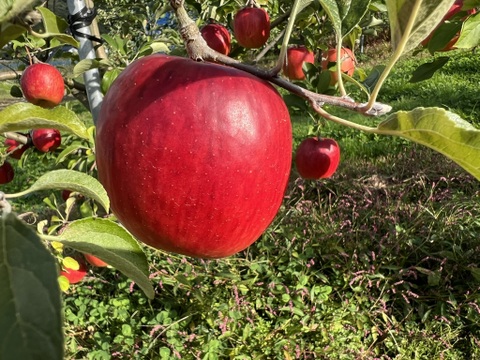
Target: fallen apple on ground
(95, 261)
(15, 148)
(75, 276)
(42, 85)
(216, 167)
(6, 173)
(317, 158)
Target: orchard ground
(380, 261)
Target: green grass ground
(382, 261)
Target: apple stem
(198, 50)
(87, 51)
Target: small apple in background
(317, 158)
(251, 27)
(95, 261)
(296, 56)
(217, 37)
(454, 9)
(6, 173)
(17, 148)
(42, 85)
(329, 59)
(46, 140)
(75, 276)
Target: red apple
(454, 9)
(6, 172)
(75, 276)
(329, 59)
(317, 158)
(42, 85)
(218, 158)
(296, 56)
(251, 27)
(95, 261)
(217, 37)
(17, 148)
(46, 140)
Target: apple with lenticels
(251, 27)
(42, 84)
(218, 161)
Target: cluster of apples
(42, 85)
(251, 28)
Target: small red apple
(46, 140)
(251, 27)
(95, 261)
(42, 85)
(75, 276)
(317, 158)
(296, 56)
(17, 148)
(329, 59)
(6, 173)
(217, 37)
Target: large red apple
(348, 60)
(251, 27)
(195, 157)
(6, 172)
(296, 56)
(317, 158)
(46, 140)
(217, 37)
(42, 85)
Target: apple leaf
(30, 302)
(440, 130)
(353, 14)
(11, 8)
(426, 71)
(333, 13)
(411, 21)
(55, 27)
(9, 32)
(71, 180)
(470, 35)
(111, 243)
(26, 116)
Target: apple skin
(348, 62)
(217, 37)
(251, 27)
(95, 261)
(12, 145)
(215, 156)
(6, 172)
(42, 85)
(296, 56)
(317, 158)
(46, 140)
(75, 276)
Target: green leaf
(356, 11)
(30, 302)
(89, 64)
(111, 243)
(25, 116)
(333, 13)
(470, 35)
(108, 78)
(426, 71)
(11, 8)
(440, 130)
(71, 180)
(55, 27)
(411, 21)
(9, 32)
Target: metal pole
(86, 51)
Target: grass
(378, 262)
